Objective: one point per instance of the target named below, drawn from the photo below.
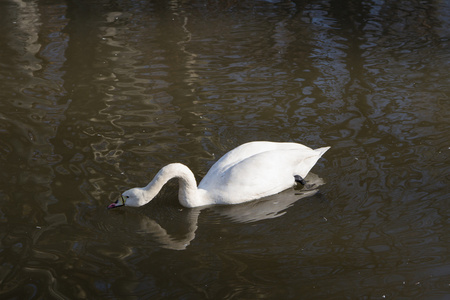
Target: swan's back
(258, 169)
(247, 150)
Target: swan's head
(133, 197)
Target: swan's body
(248, 172)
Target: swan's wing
(245, 151)
(257, 176)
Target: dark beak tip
(112, 205)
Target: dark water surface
(97, 95)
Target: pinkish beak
(120, 202)
(112, 205)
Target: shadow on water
(96, 96)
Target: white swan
(248, 172)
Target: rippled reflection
(96, 96)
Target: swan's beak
(120, 202)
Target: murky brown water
(96, 96)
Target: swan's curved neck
(188, 194)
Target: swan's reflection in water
(266, 208)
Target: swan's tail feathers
(321, 151)
(308, 163)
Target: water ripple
(98, 97)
